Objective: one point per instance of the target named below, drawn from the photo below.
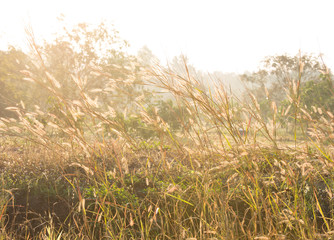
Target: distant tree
(319, 93)
(76, 50)
(275, 78)
(12, 87)
(96, 55)
(146, 57)
(175, 116)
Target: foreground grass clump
(160, 196)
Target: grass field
(207, 180)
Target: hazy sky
(225, 35)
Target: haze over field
(99, 140)
(227, 36)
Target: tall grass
(227, 174)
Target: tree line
(97, 54)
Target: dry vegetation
(227, 173)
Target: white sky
(225, 35)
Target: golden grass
(96, 179)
